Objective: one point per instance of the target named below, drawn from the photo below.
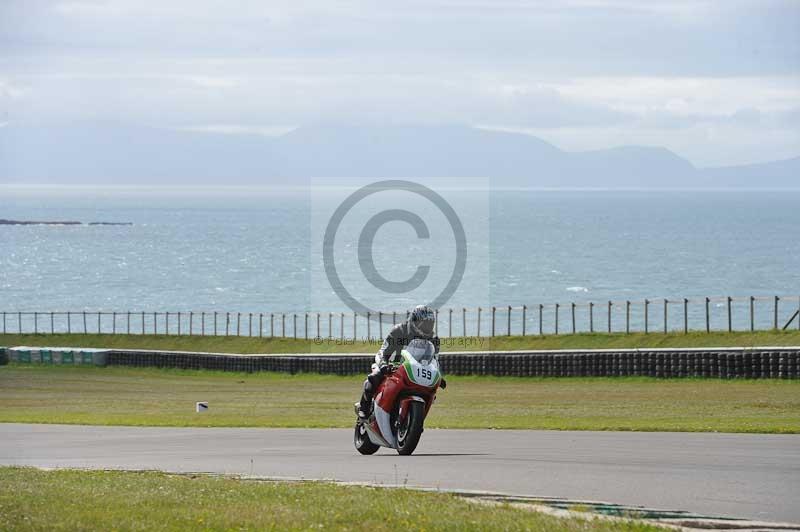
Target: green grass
(149, 396)
(31, 499)
(232, 344)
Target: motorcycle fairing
(374, 431)
(422, 374)
(384, 425)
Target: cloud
(657, 68)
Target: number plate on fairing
(424, 374)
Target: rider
(420, 324)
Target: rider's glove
(384, 368)
(443, 384)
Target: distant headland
(38, 222)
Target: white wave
(577, 289)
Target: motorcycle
(402, 402)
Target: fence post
(394, 318)
(573, 317)
(591, 317)
(708, 315)
(479, 322)
(191, 325)
(508, 324)
(166, 323)
(464, 321)
(155, 323)
(261, 325)
(541, 320)
(752, 314)
(609, 317)
(227, 322)
(142, 322)
(305, 326)
(215, 323)
(341, 328)
(272, 325)
(798, 311)
(202, 323)
(775, 326)
(524, 317)
(249, 324)
(380, 323)
(294, 325)
(646, 316)
(449, 323)
(435, 322)
(283, 325)
(730, 321)
(685, 316)
(36, 323)
(355, 325)
(128, 322)
(369, 329)
(84, 322)
(113, 322)
(666, 326)
(318, 331)
(4, 323)
(330, 324)
(494, 310)
(238, 323)
(179, 323)
(69, 324)
(52, 323)
(557, 305)
(627, 317)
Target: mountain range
(120, 154)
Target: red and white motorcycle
(401, 402)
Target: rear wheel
(408, 433)
(361, 440)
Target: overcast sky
(718, 82)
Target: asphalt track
(733, 475)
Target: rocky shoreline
(37, 222)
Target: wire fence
(628, 316)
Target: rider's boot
(364, 407)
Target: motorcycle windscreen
(421, 350)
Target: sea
(260, 251)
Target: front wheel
(361, 440)
(408, 433)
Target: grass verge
(233, 344)
(159, 397)
(32, 499)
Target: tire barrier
(331, 364)
(780, 363)
(756, 363)
(729, 363)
